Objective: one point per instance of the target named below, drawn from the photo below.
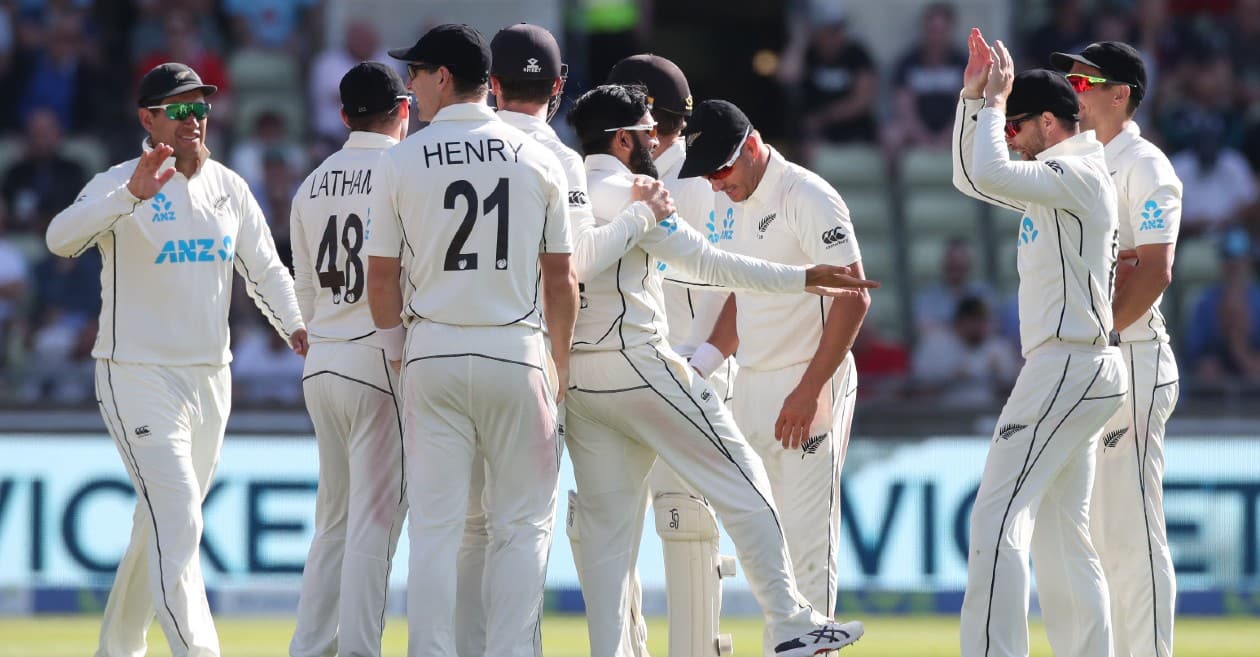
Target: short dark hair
(374, 121)
(465, 87)
(667, 122)
(606, 106)
(516, 90)
(971, 307)
(1068, 124)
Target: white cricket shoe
(823, 638)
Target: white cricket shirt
(1149, 207)
(469, 202)
(622, 306)
(1067, 234)
(797, 218)
(166, 263)
(594, 247)
(327, 224)
(690, 312)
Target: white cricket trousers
(360, 504)
(168, 424)
(623, 409)
(1035, 492)
(1127, 512)
(488, 392)
(806, 480)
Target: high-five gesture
(145, 180)
(979, 61)
(1001, 77)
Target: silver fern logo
(1009, 430)
(764, 224)
(1112, 439)
(811, 444)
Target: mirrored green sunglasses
(181, 111)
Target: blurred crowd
(68, 70)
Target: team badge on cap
(691, 138)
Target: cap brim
(402, 54)
(696, 165)
(1063, 61)
(206, 89)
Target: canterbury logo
(811, 444)
(1112, 439)
(834, 236)
(765, 223)
(1010, 430)
(1055, 166)
(577, 197)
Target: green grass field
(565, 636)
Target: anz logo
(196, 250)
(726, 231)
(1027, 231)
(670, 224)
(1152, 217)
(162, 208)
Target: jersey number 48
(351, 278)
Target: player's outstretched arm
(267, 280)
(596, 248)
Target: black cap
(370, 87)
(1116, 61)
(667, 86)
(525, 52)
(460, 48)
(170, 79)
(713, 133)
(1041, 90)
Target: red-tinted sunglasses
(728, 168)
(1012, 126)
(1082, 82)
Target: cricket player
(526, 79)
(633, 398)
(1039, 473)
(694, 595)
(350, 389)
(1127, 510)
(171, 226)
(794, 350)
(478, 212)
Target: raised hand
(1001, 76)
(979, 60)
(834, 280)
(653, 193)
(145, 181)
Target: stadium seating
(871, 213)
(89, 152)
(1196, 261)
(926, 167)
(849, 167)
(934, 213)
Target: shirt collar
(769, 184)
(369, 140)
(203, 154)
(466, 112)
(525, 122)
(1121, 141)
(605, 162)
(1084, 143)
(672, 158)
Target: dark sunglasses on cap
(1082, 82)
(414, 68)
(1012, 125)
(181, 111)
(724, 171)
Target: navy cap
(714, 133)
(1042, 90)
(460, 48)
(667, 86)
(1116, 61)
(525, 52)
(370, 87)
(170, 79)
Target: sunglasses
(181, 111)
(1082, 82)
(649, 128)
(728, 168)
(1012, 126)
(414, 69)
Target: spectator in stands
(1201, 96)
(43, 181)
(884, 364)
(1223, 335)
(935, 304)
(61, 75)
(280, 181)
(361, 43)
(1244, 37)
(1067, 31)
(182, 41)
(839, 83)
(926, 82)
(271, 24)
(149, 27)
(264, 368)
(67, 300)
(1219, 185)
(270, 136)
(968, 365)
(14, 276)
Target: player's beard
(641, 160)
